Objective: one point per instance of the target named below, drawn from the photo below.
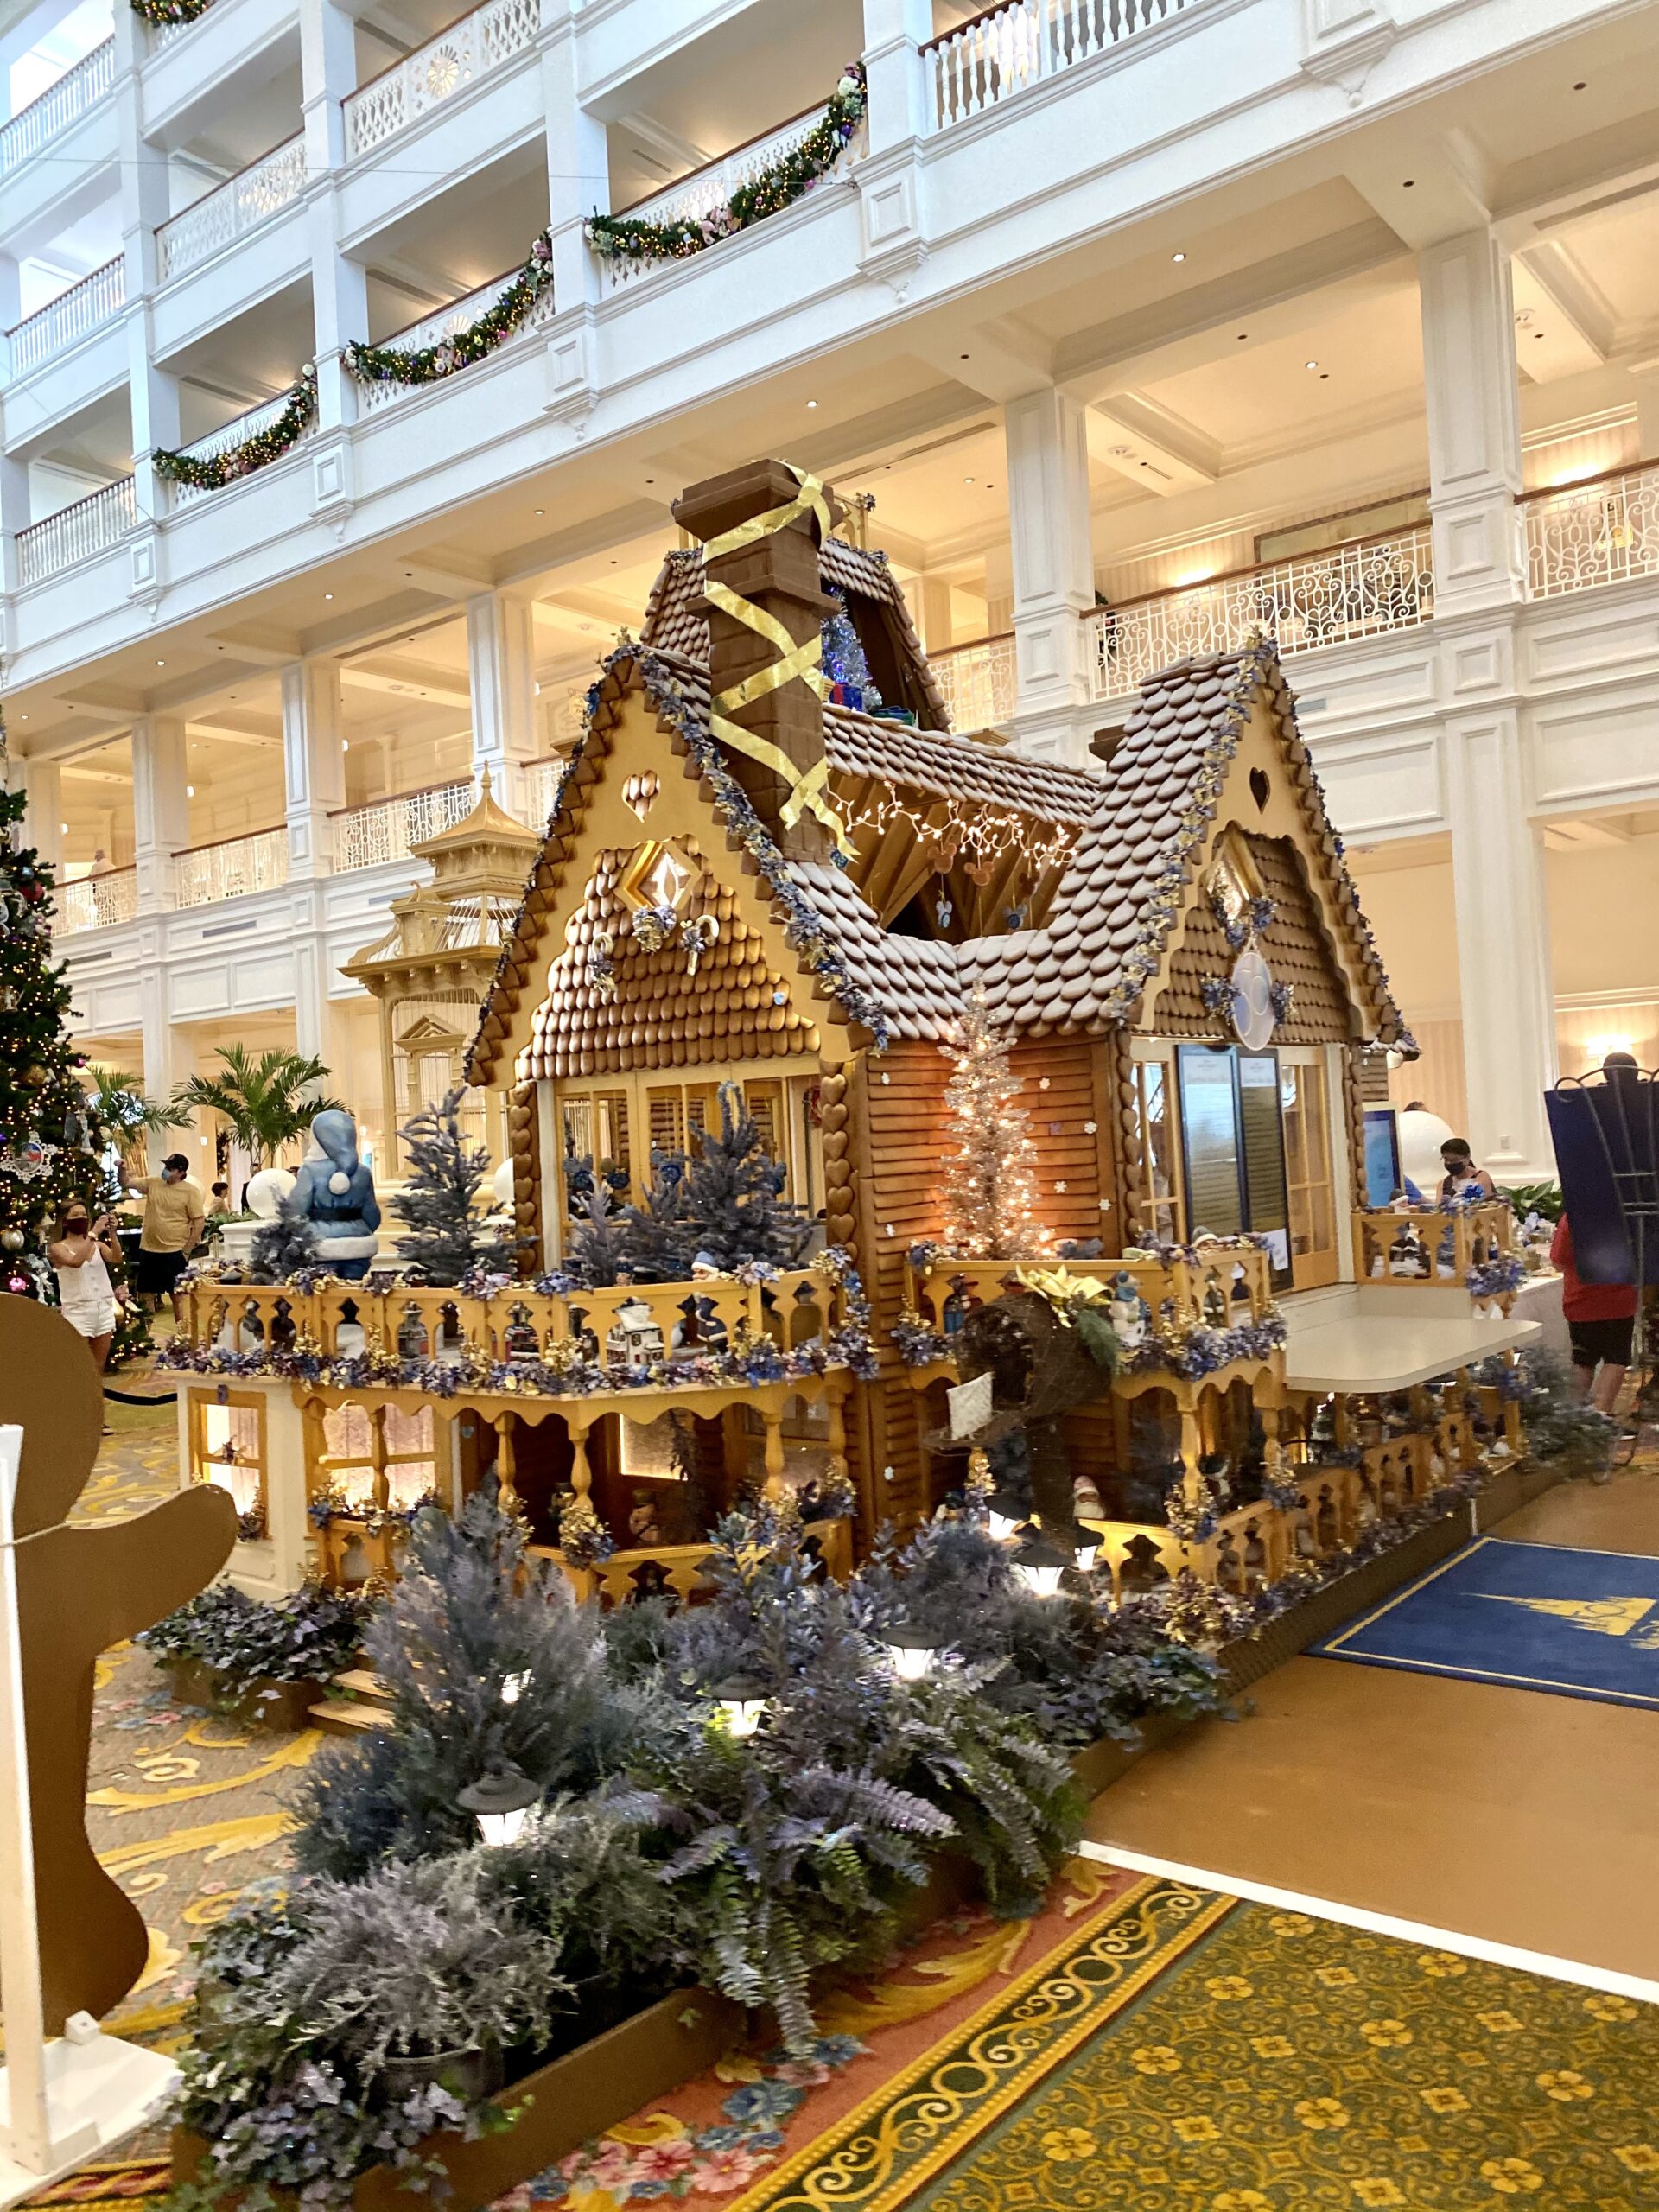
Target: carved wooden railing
(1410, 1248)
(1228, 1290)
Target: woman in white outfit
(83, 1254)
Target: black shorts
(158, 1272)
(1596, 1343)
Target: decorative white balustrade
(1351, 592)
(58, 106)
(231, 868)
(470, 49)
(233, 433)
(1600, 532)
(446, 322)
(75, 533)
(978, 682)
(239, 206)
(702, 191)
(991, 57)
(542, 782)
(368, 836)
(97, 902)
(162, 35)
(72, 316)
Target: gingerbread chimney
(769, 576)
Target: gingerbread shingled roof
(1111, 916)
(675, 622)
(1106, 934)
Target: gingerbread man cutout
(80, 1590)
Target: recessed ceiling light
(540, 511)
(345, 744)
(63, 829)
(1310, 365)
(189, 790)
(327, 594)
(160, 664)
(811, 403)
(967, 480)
(1178, 257)
(22, 718)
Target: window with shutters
(1232, 1143)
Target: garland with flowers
(506, 315)
(629, 237)
(170, 15)
(211, 472)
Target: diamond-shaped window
(660, 875)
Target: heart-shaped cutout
(639, 791)
(1259, 789)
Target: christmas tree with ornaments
(51, 1142)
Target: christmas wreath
(431, 363)
(628, 238)
(210, 472)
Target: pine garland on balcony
(499, 320)
(627, 238)
(211, 472)
(167, 15)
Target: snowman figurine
(1128, 1312)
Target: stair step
(344, 1716)
(364, 1682)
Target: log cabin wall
(1065, 1093)
(896, 1119)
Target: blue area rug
(1537, 1616)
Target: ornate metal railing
(239, 206)
(97, 902)
(1599, 532)
(367, 837)
(61, 322)
(76, 532)
(991, 57)
(58, 105)
(231, 868)
(978, 682)
(541, 781)
(233, 433)
(1361, 590)
(444, 323)
(435, 72)
(700, 192)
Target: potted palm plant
(267, 1102)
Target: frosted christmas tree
(990, 1172)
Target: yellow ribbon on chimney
(808, 791)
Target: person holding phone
(82, 1254)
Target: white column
(1503, 956)
(1053, 571)
(501, 663)
(314, 766)
(1474, 431)
(144, 208)
(1644, 374)
(43, 824)
(161, 807)
(340, 301)
(894, 33)
(578, 180)
(164, 1057)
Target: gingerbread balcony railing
(1224, 1286)
(1469, 1248)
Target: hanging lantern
(742, 1701)
(500, 1804)
(912, 1652)
(1041, 1564)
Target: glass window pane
(1210, 1134)
(1264, 1152)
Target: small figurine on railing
(334, 1192)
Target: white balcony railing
(75, 533)
(368, 836)
(433, 329)
(986, 59)
(1354, 591)
(97, 902)
(435, 72)
(239, 206)
(1599, 532)
(63, 323)
(233, 433)
(702, 190)
(231, 868)
(978, 682)
(542, 782)
(58, 106)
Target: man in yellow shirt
(173, 1210)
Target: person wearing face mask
(82, 1254)
(1462, 1179)
(174, 1214)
